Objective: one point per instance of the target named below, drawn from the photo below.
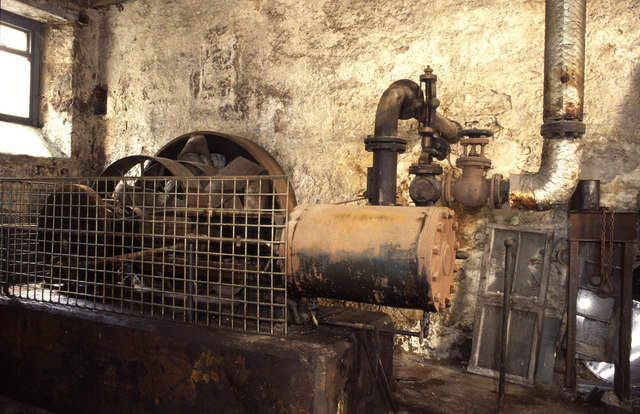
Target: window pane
(15, 84)
(13, 38)
(23, 139)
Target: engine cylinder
(393, 256)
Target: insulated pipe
(554, 183)
(562, 114)
(564, 60)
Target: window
(19, 68)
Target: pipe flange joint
(425, 169)
(496, 196)
(445, 190)
(424, 190)
(395, 144)
(563, 129)
(474, 133)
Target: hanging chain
(606, 257)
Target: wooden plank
(41, 10)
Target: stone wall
(302, 79)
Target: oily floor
(436, 387)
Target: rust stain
(523, 201)
(572, 111)
(361, 171)
(202, 369)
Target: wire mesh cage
(209, 251)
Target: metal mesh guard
(208, 251)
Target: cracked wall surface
(302, 79)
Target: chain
(606, 287)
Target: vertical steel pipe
(564, 59)
(402, 100)
(562, 112)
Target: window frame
(34, 30)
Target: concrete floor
(442, 387)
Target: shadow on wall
(620, 149)
(90, 97)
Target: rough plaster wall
(89, 130)
(56, 90)
(302, 79)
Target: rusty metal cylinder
(393, 256)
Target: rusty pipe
(564, 60)
(561, 160)
(447, 128)
(403, 99)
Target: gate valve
(473, 189)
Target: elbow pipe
(562, 111)
(402, 100)
(554, 183)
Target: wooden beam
(40, 10)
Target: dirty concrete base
(76, 360)
(434, 387)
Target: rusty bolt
(435, 250)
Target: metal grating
(208, 251)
